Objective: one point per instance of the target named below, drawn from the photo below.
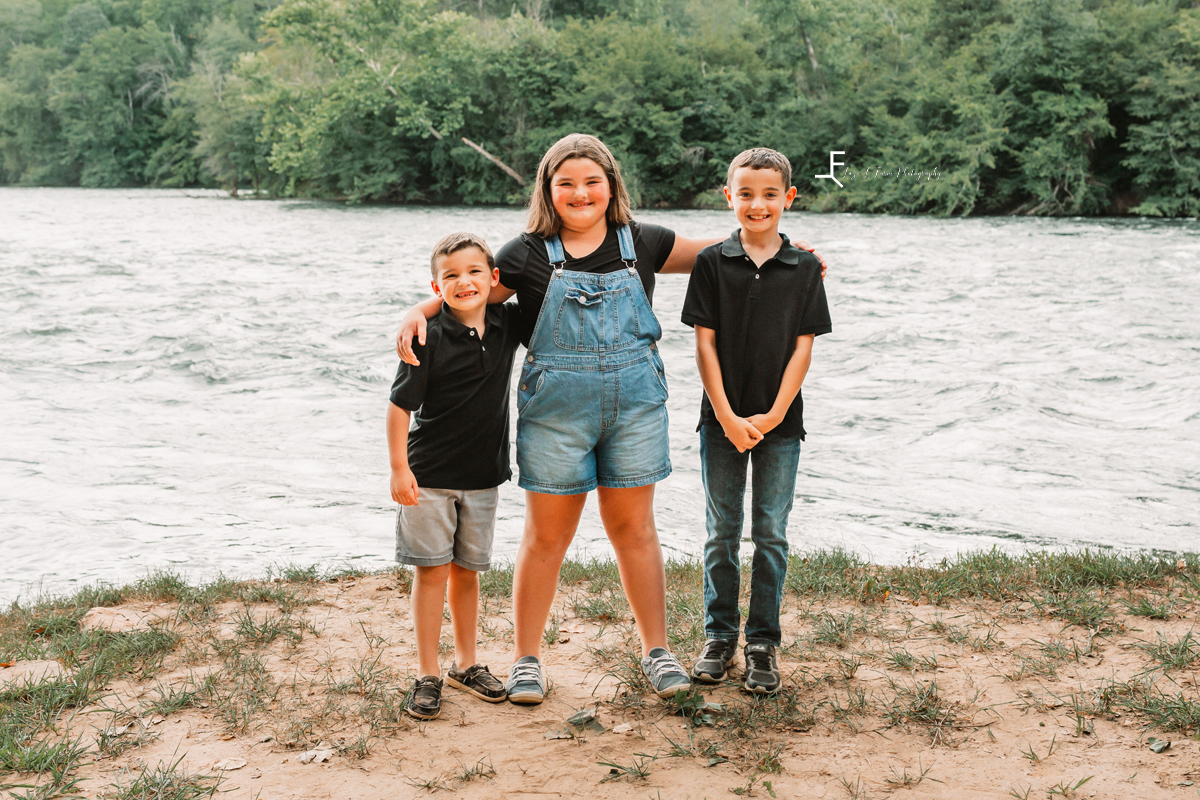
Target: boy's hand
(742, 433)
(413, 325)
(800, 244)
(765, 423)
(404, 487)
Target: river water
(196, 382)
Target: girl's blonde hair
(544, 221)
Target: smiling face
(758, 198)
(580, 193)
(464, 279)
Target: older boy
(446, 469)
(756, 303)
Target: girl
(591, 402)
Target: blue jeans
(774, 484)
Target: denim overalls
(591, 403)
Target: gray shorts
(448, 525)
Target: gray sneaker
(713, 664)
(762, 670)
(666, 674)
(526, 683)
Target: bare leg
(628, 517)
(463, 599)
(550, 523)
(428, 599)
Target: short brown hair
(761, 158)
(455, 242)
(544, 221)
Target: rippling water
(200, 382)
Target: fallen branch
(512, 172)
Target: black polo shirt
(459, 396)
(525, 268)
(757, 313)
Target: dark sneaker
(762, 670)
(665, 673)
(526, 683)
(479, 681)
(713, 664)
(425, 702)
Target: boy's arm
(413, 323)
(740, 431)
(789, 387)
(683, 254)
(404, 483)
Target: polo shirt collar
(451, 325)
(732, 248)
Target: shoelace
(526, 672)
(759, 660)
(714, 651)
(663, 665)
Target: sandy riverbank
(992, 676)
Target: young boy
(756, 302)
(446, 469)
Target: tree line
(947, 107)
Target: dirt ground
(976, 699)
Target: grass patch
(164, 782)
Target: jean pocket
(532, 379)
(660, 372)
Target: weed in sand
(902, 780)
(1076, 607)
(856, 704)
(608, 604)
(551, 633)
(428, 784)
(847, 666)
(1168, 712)
(250, 630)
(164, 782)
(55, 760)
(837, 630)
(748, 789)
(901, 659)
(1180, 654)
(639, 770)
(1065, 789)
(1033, 667)
(374, 640)
(1149, 606)
(1032, 755)
(242, 689)
(113, 742)
(855, 789)
(497, 581)
(482, 769)
(920, 704)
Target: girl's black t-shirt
(525, 267)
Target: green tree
(110, 102)
(1164, 146)
(82, 23)
(31, 139)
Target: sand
(975, 699)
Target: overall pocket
(596, 321)
(532, 379)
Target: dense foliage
(941, 106)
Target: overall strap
(558, 257)
(628, 254)
(556, 254)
